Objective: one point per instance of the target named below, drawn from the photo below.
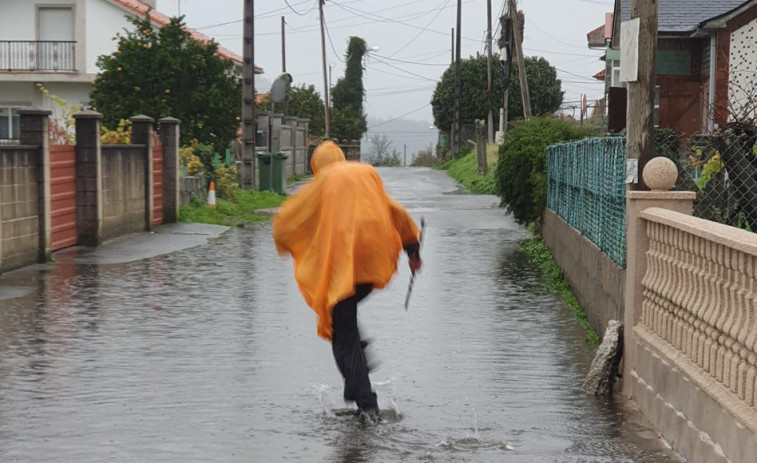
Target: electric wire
(425, 28)
(297, 12)
(398, 117)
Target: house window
(55, 24)
(615, 79)
(9, 123)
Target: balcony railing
(17, 55)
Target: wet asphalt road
(210, 354)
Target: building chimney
(150, 3)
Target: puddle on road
(210, 354)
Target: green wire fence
(586, 188)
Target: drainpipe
(713, 69)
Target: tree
(348, 120)
(543, 84)
(166, 72)
(305, 101)
(379, 148)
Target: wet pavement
(208, 353)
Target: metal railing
(586, 188)
(19, 55)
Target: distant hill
(417, 135)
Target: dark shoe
(369, 416)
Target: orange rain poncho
(342, 229)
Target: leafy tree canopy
(348, 121)
(305, 101)
(543, 85)
(166, 72)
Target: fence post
(141, 134)
(169, 138)
(35, 126)
(659, 174)
(89, 208)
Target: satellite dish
(280, 87)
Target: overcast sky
(402, 85)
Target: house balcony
(37, 56)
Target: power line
(297, 12)
(399, 117)
(404, 70)
(411, 62)
(382, 18)
(325, 25)
(441, 8)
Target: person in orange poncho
(345, 234)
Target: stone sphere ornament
(660, 174)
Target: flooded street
(210, 354)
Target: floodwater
(210, 354)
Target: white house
(57, 43)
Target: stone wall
(123, 190)
(594, 279)
(19, 206)
(192, 187)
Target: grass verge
(235, 212)
(465, 171)
(555, 281)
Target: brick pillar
(35, 127)
(89, 173)
(141, 134)
(169, 138)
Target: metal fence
(17, 55)
(720, 168)
(586, 188)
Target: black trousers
(349, 351)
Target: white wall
(103, 21)
(743, 62)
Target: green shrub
(521, 176)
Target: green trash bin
(279, 172)
(264, 171)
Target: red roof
(160, 19)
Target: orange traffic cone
(212, 196)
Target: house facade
(706, 63)
(56, 43)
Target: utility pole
(490, 119)
(458, 116)
(640, 114)
(452, 47)
(521, 61)
(505, 66)
(327, 108)
(453, 133)
(248, 98)
(405, 155)
(283, 47)
(285, 105)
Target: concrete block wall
(191, 187)
(114, 185)
(123, 190)
(596, 281)
(25, 194)
(19, 206)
